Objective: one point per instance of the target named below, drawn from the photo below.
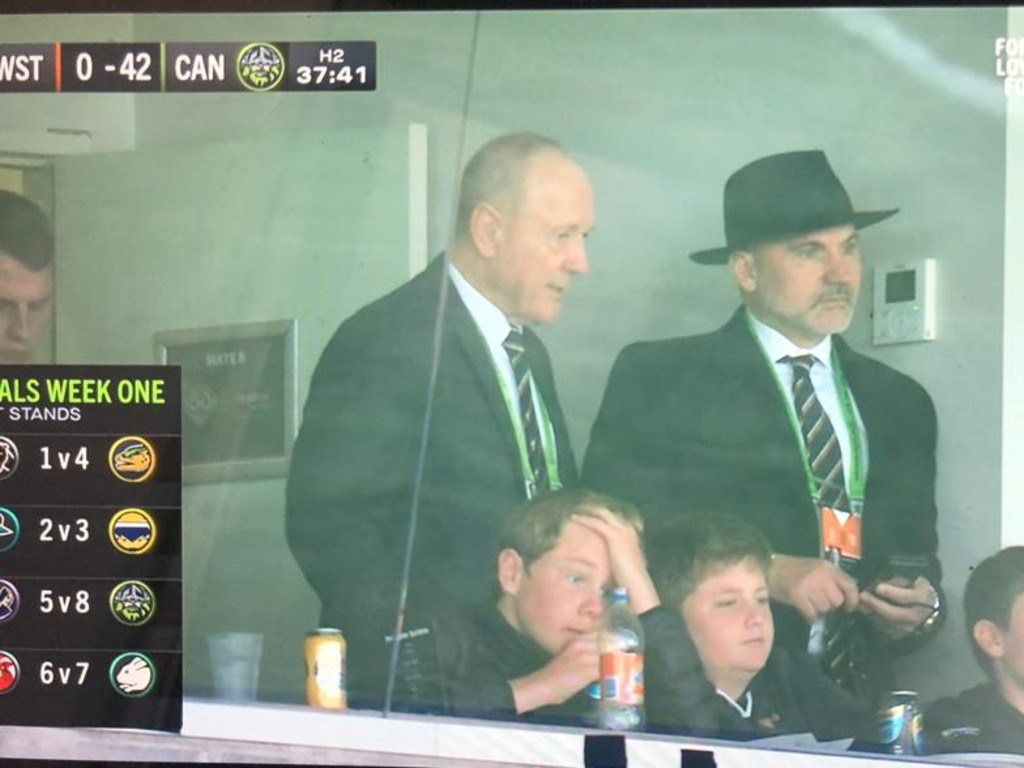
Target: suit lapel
(541, 371)
(544, 378)
(749, 388)
(863, 389)
(859, 380)
(468, 343)
(746, 378)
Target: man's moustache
(840, 292)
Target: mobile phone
(904, 566)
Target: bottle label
(622, 677)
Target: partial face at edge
(25, 308)
(1006, 648)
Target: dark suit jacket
(697, 423)
(350, 486)
(480, 654)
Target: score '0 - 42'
(134, 66)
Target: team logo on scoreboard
(132, 459)
(132, 674)
(10, 601)
(260, 67)
(9, 457)
(10, 529)
(132, 602)
(10, 672)
(131, 531)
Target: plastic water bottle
(621, 645)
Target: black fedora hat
(782, 196)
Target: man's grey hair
(495, 174)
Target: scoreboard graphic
(90, 546)
(258, 67)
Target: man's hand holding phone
(900, 600)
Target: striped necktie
(841, 651)
(513, 345)
(824, 455)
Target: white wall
(214, 234)
(1013, 345)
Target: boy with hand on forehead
(533, 652)
(713, 570)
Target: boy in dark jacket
(532, 653)
(990, 716)
(714, 568)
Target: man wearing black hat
(829, 453)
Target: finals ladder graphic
(90, 546)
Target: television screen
(326, 223)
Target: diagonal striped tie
(823, 452)
(513, 345)
(839, 639)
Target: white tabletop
(452, 739)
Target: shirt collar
(489, 319)
(777, 346)
(745, 708)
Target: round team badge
(9, 457)
(133, 674)
(10, 672)
(10, 529)
(132, 602)
(132, 459)
(10, 601)
(260, 67)
(132, 531)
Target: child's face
(559, 596)
(1010, 648)
(730, 622)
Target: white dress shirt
(494, 327)
(778, 347)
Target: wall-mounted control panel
(905, 302)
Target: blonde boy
(532, 652)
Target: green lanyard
(856, 481)
(547, 433)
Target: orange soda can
(325, 669)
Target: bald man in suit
(525, 209)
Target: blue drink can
(899, 723)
